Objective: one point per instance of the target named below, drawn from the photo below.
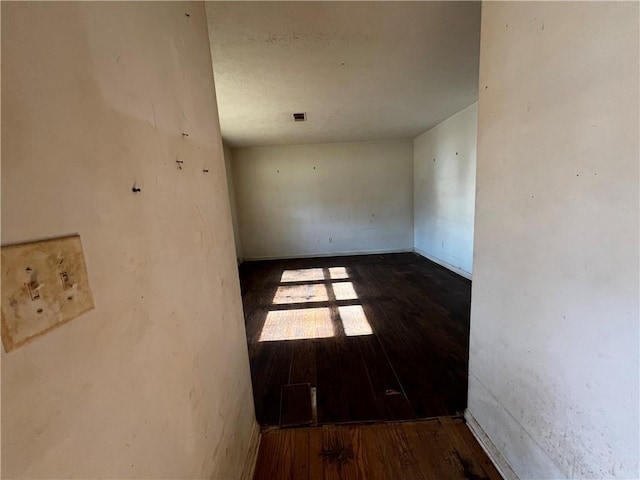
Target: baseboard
(332, 254)
(490, 449)
(252, 454)
(444, 264)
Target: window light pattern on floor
(344, 291)
(301, 294)
(334, 306)
(304, 275)
(354, 321)
(338, 273)
(297, 324)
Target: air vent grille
(299, 117)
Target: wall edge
(489, 448)
(248, 469)
(336, 254)
(444, 264)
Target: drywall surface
(444, 190)
(553, 375)
(153, 383)
(228, 163)
(308, 200)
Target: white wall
(554, 316)
(153, 383)
(228, 164)
(444, 166)
(308, 200)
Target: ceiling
(361, 71)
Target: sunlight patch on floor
(315, 285)
(354, 321)
(297, 324)
(337, 273)
(301, 294)
(303, 275)
(344, 291)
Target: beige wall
(228, 163)
(444, 188)
(330, 199)
(553, 374)
(154, 383)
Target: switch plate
(44, 285)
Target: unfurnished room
(320, 240)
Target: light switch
(44, 285)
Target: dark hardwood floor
(426, 450)
(374, 337)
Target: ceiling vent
(299, 117)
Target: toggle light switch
(34, 290)
(64, 280)
(44, 285)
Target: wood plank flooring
(433, 449)
(377, 337)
